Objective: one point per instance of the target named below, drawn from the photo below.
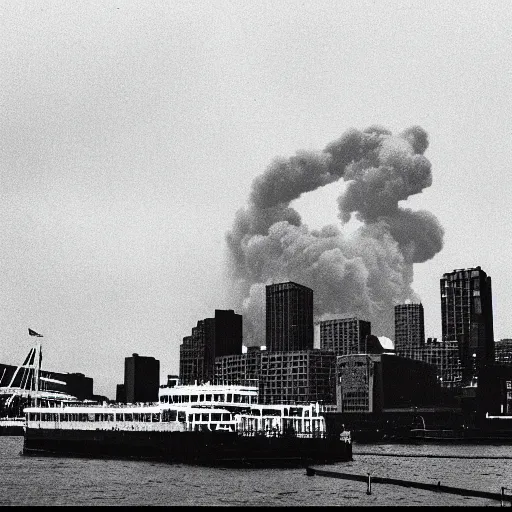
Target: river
(37, 481)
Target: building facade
(300, 376)
(503, 351)
(345, 335)
(444, 355)
(141, 379)
(239, 369)
(211, 338)
(466, 308)
(409, 328)
(372, 383)
(289, 317)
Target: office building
(466, 308)
(141, 379)
(345, 335)
(289, 317)
(239, 369)
(211, 338)
(374, 383)
(409, 328)
(503, 351)
(444, 356)
(299, 376)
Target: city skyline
(132, 135)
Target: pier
(369, 479)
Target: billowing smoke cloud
(362, 274)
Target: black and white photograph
(256, 253)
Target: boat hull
(211, 448)
(12, 426)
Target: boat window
(185, 398)
(136, 416)
(83, 416)
(119, 417)
(219, 398)
(204, 416)
(170, 399)
(208, 398)
(201, 398)
(216, 416)
(110, 417)
(197, 417)
(271, 412)
(147, 416)
(63, 417)
(225, 416)
(182, 416)
(128, 417)
(193, 398)
(230, 397)
(256, 412)
(245, 399)
(236, 399)
(172, 415)
(190, 418)
(155, 417)
(295, 411)
(306, 413)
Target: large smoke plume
(364, 273)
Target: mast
(37, 365)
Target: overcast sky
(131, 133)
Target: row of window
(217, 397)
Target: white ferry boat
(186, 432)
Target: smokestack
(364, 274)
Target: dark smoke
(362, 274)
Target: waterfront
(68, 481)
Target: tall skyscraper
(289, 317)
(211, 338)
(344, 335)
(409, 328)
(466, 307)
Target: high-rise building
(211, 338)
(141, 379)
(409, 328)
(466, 307)
(344, 335)
(289, 317)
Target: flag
(34, 333)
